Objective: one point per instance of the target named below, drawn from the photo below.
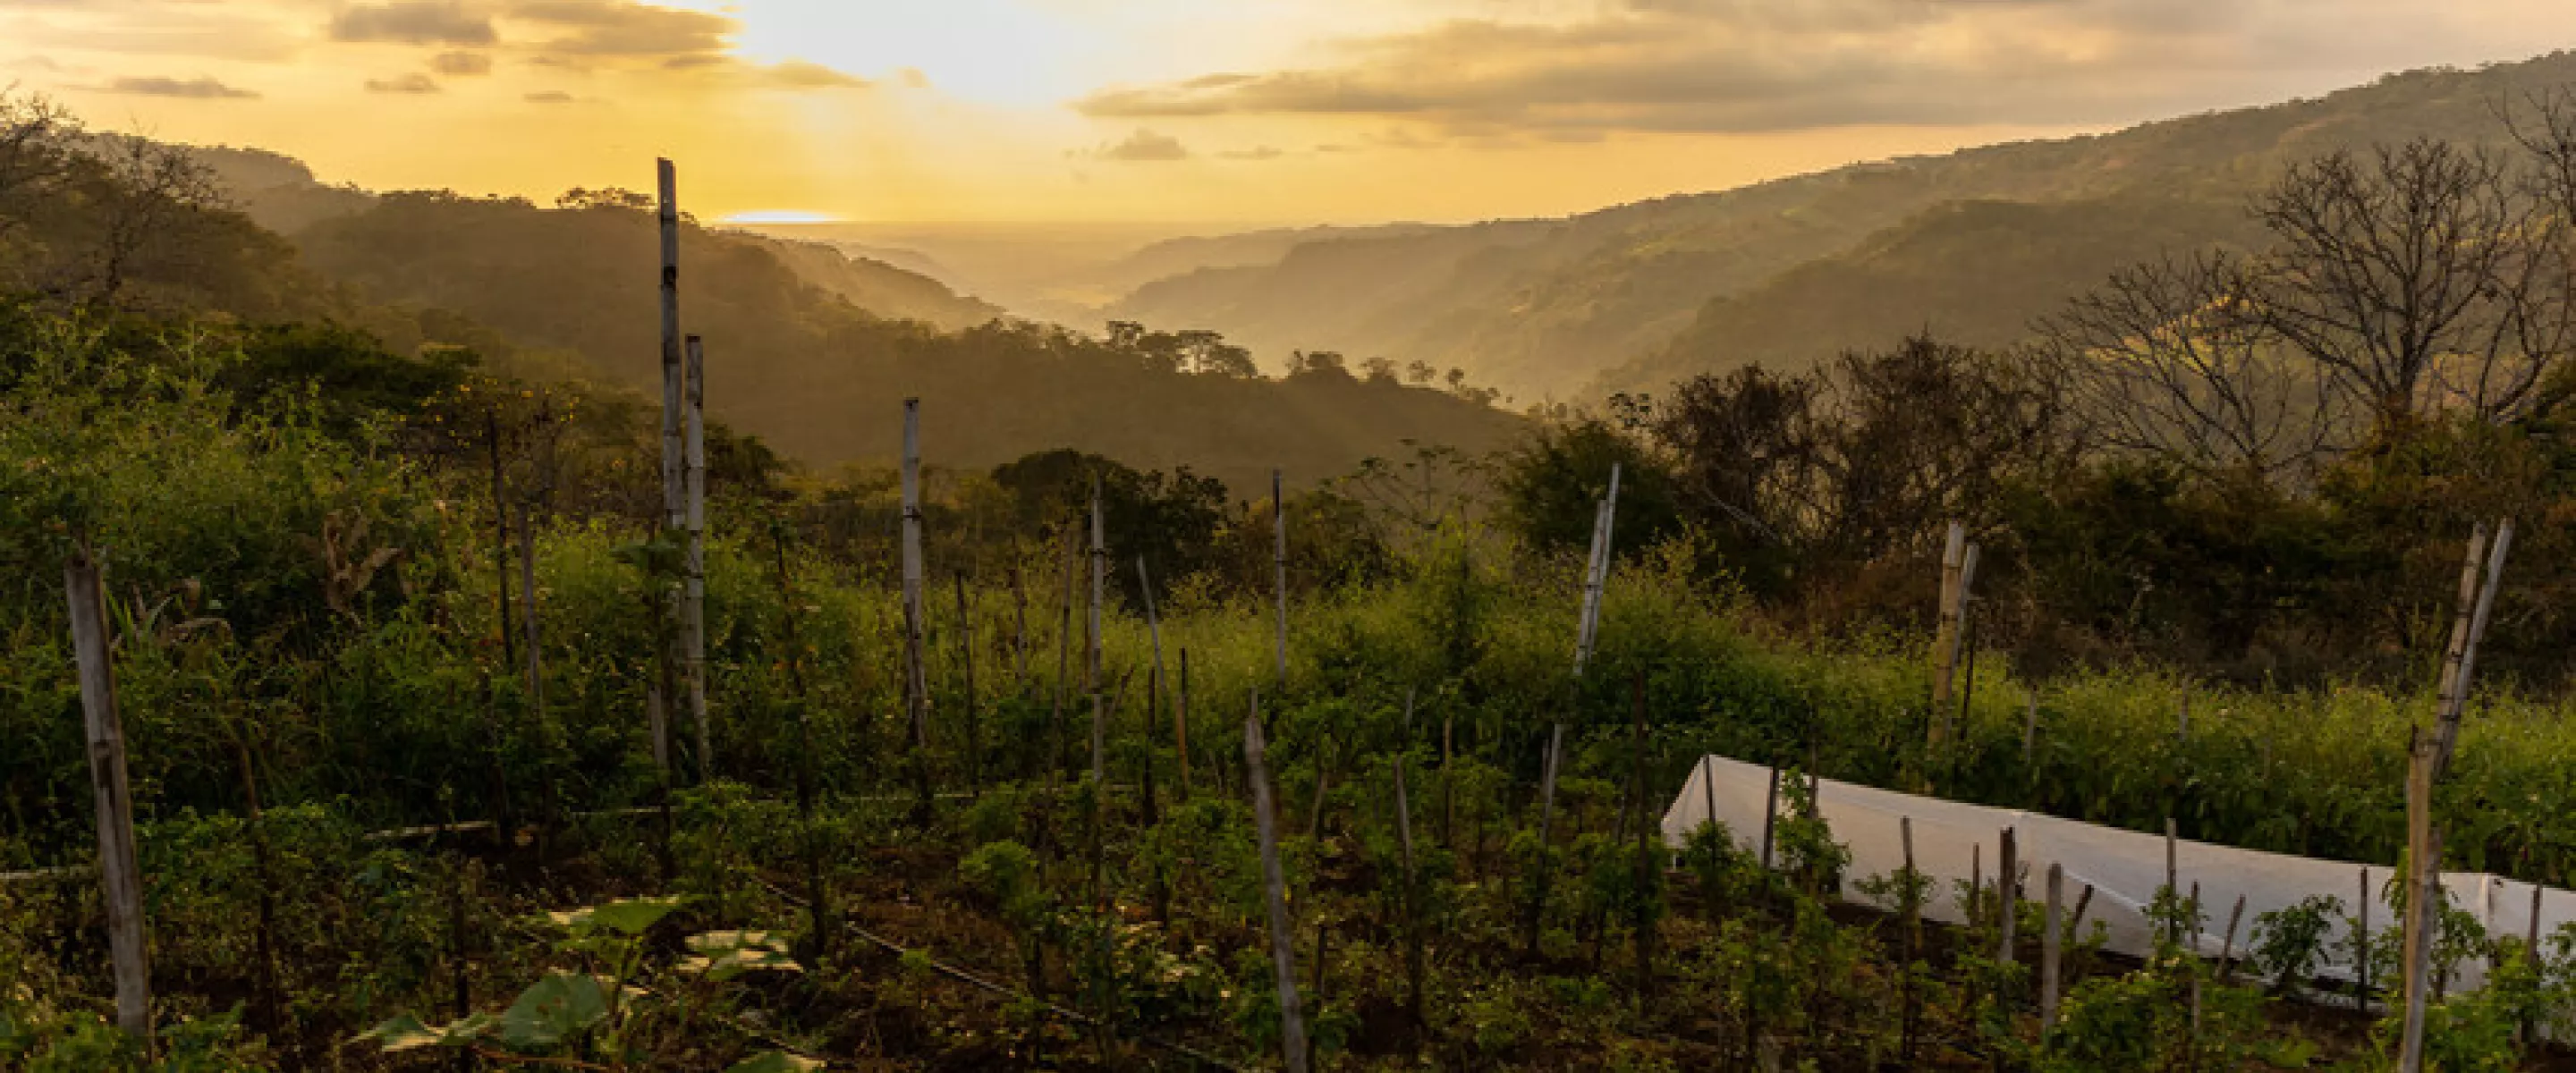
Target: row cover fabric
(2124, 868)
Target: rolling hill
(1787, 272)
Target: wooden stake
(528, 610)
(1945, 635)
(500, 534)
(1099, 580)
(2423, 893)
(1597, 572)
(2361, 946)
(2173, 881)
(1911, 907)
(1644, 927)
(2049, 941)
(916, 677)
(2227, 947)
(1770, 811)
(121, 879)
(1181, 729)
(966, 657)
(2008, 895)
(1283, 953)
(1153, 682)
(693, 580)
(1279, 566)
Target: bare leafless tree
(2411, 277)
(151, 190)
(33, 130)
(2172, 358)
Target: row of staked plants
(312, 656)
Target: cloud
(410, 83)
(1768, 65)
(1144, 145)
(550, 96)
(798, 74)
(200, 88)
(461, 64)
(1258, 152)
(617, 28)
(414, 22)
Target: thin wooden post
(1645, 925)
(1181, 728)
(2173, 881)
(693, 578)
(1945, 634)
(1283, 953)
(2423, 894)
(1911, 907)
(674, 401)
(966, 656)
(1153, 683)
(1597, 572)
(1279, 566)
(120, 878)
(1770, 811)
(528, 609)
(916, 678)
(1546, 822)
(2049, 942)
(2227, 947)
(2361, 945)
(2008, 895)
(1099, 580)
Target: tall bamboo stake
(1283, 952)
(2008, 895)
(693, 578)
(916, 678)
(2361, 945)
(1597, 573)
(1279, 567)
(121, 879)
(674, 424)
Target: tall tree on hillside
(2418, 278)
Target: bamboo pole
(1283, 952)
(693, 579)
(916, 678)
(1911, 907)
(1597, 573)
(2227, 947)
(1279, 566)
(1770, 811)
(966, 657)
(674, 400)
(121, 880)
(2049, 953)
(2423, 893)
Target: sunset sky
(1256, 111)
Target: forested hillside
(809, 350)
(1546, 307)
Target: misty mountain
(1789, 271)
